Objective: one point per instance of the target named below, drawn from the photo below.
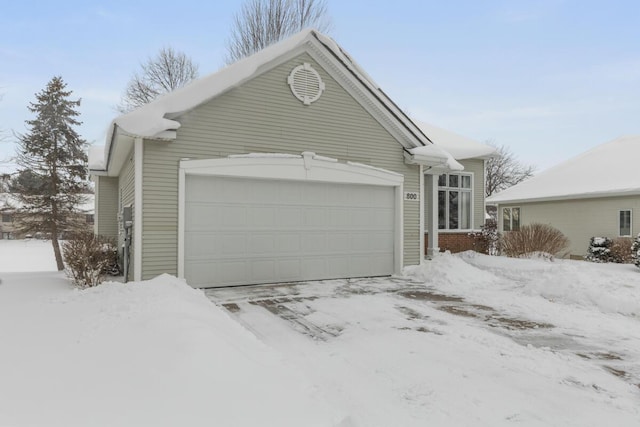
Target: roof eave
(594, 195)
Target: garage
(252, 220)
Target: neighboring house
(291, 164)
(594, 194)
(9, 228)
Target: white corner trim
(399, 230)
(137, 221)
(422, 199)
(181, 218)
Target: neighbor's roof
(156, 119)
(609, 169)
(460, 147)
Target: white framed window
(624, 223)
(510, 219)
(455, 201)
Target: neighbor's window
(455, 194)
(625, 223)
(510, 219)
(6, 217)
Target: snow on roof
(460, 147)
(155, 120)
(610, 169)
(437, 153)
(96, 157)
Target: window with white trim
(510, 219)
(455, 195)
(624, 222)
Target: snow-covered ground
(465, 340)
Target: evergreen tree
(55, 155)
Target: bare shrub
(621, 250)
(534, 238)
(88, 258)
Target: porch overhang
(434, 160)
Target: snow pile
(607, 288)
(26, 255)
(451, 271)
(149, 353)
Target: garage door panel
(290, 194)
(336, 242)
(265, 269)
(232, 244)
(202, 215)
(314, 242)
(315, 217)
(263, 216)
(288, 243)
(338, 218)
(261, 243)
(243, 231)
(200, 246)
(232, 216)
(382, 218)
(290, 217)
(381, 242)
(289, 269)
(338, 265)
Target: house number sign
(411, 196)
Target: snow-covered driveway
(465, 340)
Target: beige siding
(106, 206)
(581, 219)
(263, 116)
(476, 168)
(126, 193)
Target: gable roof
(156, 120)
(610, 169)
(460, 147)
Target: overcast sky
(548, 78)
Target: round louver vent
(305, 83)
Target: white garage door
(247, 231)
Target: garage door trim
(305, 167)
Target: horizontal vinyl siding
(476, 166)
(580, 220)
(107, 206)
(263, 116)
